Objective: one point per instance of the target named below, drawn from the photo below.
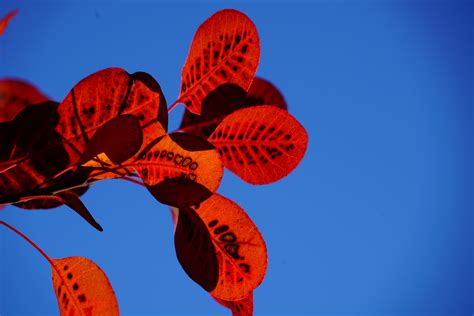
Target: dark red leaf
(227, 99)
(195, 249)
(15, 95)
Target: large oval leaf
(225, 49)
(260, 144)
(239, 246)
(105, 95)
(227, 99)
(15, 95)
(82, 288)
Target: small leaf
(225, 49)
(238, 245)
(227, 99)
(5, 20)
(72, 200)
(260, 144)
(242, 307)
(179, 169)
(15, 95)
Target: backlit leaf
(15, 95)
(227, 99)
(225, 49)
(179, 169)
(243, 307)
(238, 245)
(81, 287)
(5, 20)
(105, 95)
(260, 144)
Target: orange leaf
(6, 19)
(225, 49)
(260, 144)
(15, 95)
(227, 99)
(180, 169)
(81, 287)
(243, 307)
(239, 247)
(105, 95)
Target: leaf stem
(28, 240)
(171, 108)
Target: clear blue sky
(376, 220)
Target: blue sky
(376, 220)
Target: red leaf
(105, 95)
(243, 307)
(227, 99)
(195, 250)
(80, 285)
(237, 243)
(117, 140)
(225, 49)
(263, 92)
(260, 144)
(15, 95)
(180, 169)
(5, 20)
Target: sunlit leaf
(238, 245)
(15, 95)
(242, 307)
(260, 144)
(81, 287)
(105, 95)
(225, 49)
(227, 99)
(180, 169)
(5, 20)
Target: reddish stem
(28, 240)
(171, 108)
